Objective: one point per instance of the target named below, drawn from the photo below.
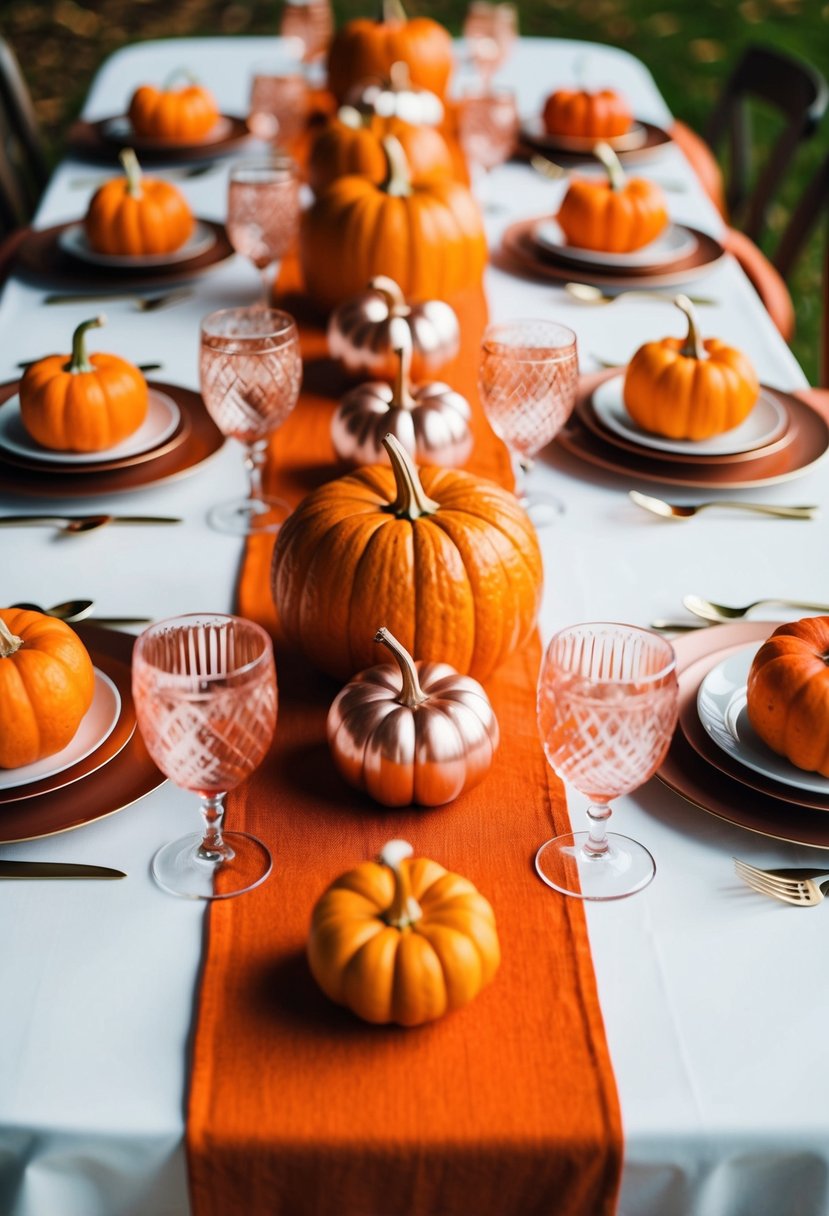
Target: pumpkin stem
(80, 359)
(402, 398)
(616, 174)
(351, 117)
(404, 910)
(693, 347)
(130, 165)
(179, 72)
(392, 12)
(411, 501)
(10, 643)
(398, 183)
(400, 78)
(411, 694)
(395, 299)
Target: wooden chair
(24, 168)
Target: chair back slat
(24, 168)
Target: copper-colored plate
(519, 243)
(809, 445)
(121, 676)
(653, 141)
(707, 787)
(203, 440)
(126, 778)
(40, 257)
(93, 141)
(587, 415)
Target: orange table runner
(507, 1106)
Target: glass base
(178, 869)
(249, 516)
(626, 868)
(542, 509)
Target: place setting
(573, 120)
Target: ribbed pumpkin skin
(461, 586)
(45, 688)
(595, 216)
(788, 693)
(182, 115)
(411, 976)
(158, 220)
(82, 411)
(681, 397)
(576, 112)
(341, 151)
(432, 242)
(363, 48)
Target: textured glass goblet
(527, 381)
(250, 370)
(263, 214)
(488, 129)
(205, 699)
(607, 708)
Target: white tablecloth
(713, 998)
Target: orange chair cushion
(765, 280)
(703, 163)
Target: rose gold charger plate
(738, 796)
(651, 140)
(521, 247)
(101, 784)
(40, 256)
(99, 141)
(806, 444)
(200, 440)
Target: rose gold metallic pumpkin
(417, 732)
(360, 332)
(397, 97)
(431, 420)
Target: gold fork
(803, 888)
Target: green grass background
(689, 46)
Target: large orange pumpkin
(449, 562)
(180, 115)
(364, 48)
(82, 403)
(47, 682)
(352, 143)
(687, 388)
(788, 693)
(613, 216)
(428, 237)
(603, 114)
(402, 940)
(135, 215)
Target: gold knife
(57, 520)
(55, 869)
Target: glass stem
(255, 455)
(268, 276)
(213, 847)
(521, 466)
(596, 844)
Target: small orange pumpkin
(613, 216)
(428, 237)
(689, 389)
(402, 940)
(135, 215)
(788, 693)
(364, 48)
(82, 403)
(352, 143)
(47, 682)
(603, 114)
(183, 115)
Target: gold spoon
(709, 611)
(587, 293)
(669, 510)
(71, 611)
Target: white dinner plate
(96, 725)
(721, 704)
(72, 240)
(634, 138)
(163, 417)
(121, 128)
(766, 423)
(674, 243)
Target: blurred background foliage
(688, 45)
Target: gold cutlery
(55, 869)
(588, 293)
(803, 888)
(142, 303)
(73, 524)
(709, 611)
(668, 510)
(667, 626)
(75, 611)
(554, 172)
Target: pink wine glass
(205, 699)
(488, 130)
(250, 369)
(607, 708)
(280, 98)
(312, 22)
(263, 214)
(490, 30)
(527, 381)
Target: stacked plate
(781, 438)
(103, 769)
(104, 139)
(718, 763)
(642, 141)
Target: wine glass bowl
(607, 708)
(263, 213)
(487, 126)
(206, 699)
(310, 21)
(490, 30)
(279, 99)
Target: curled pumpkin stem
(402, 398)
(395, 299)
(177, 74)
(398, 183)
(411, 694)
(693, 347)
(80, 361)
(404, 910)
(130, 165)
(616, 174)
(351, 117)
(411, 500)
(10, 643)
